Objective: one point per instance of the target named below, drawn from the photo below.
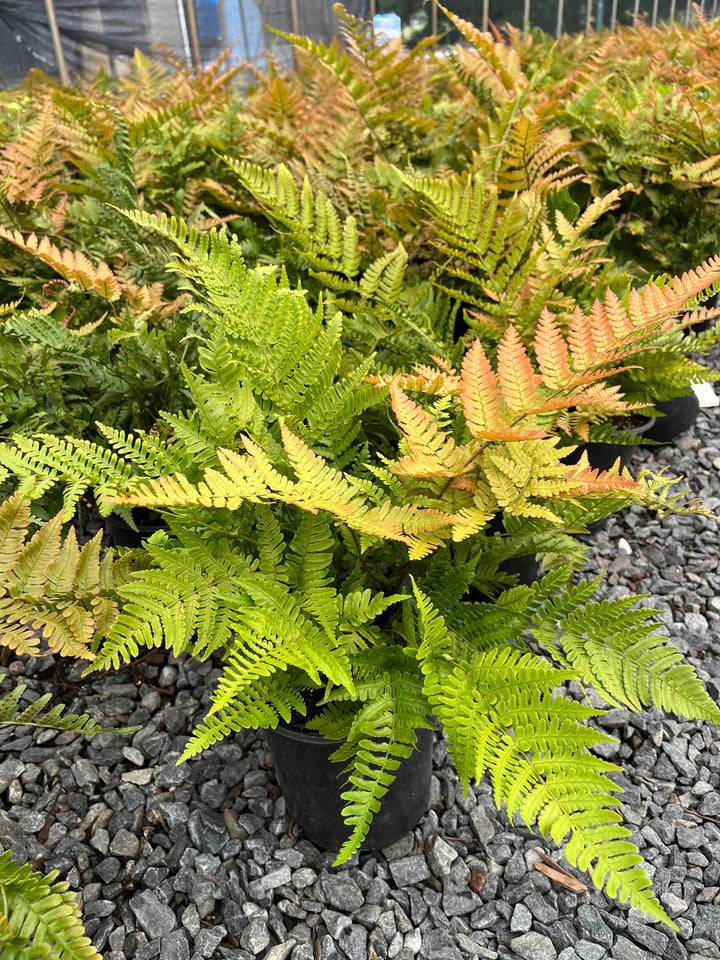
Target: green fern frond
(271, 545)
(617, 650)
(330, 245)
(471, 700)
(196, 613)
(569, 792)
(41, 913)
(77, 463)
(499, 717)
(55, 718)
(310, 570)
(310, 648)
(261, 705)
(382, 733)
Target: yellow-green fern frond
(262, 704)
(500, 717)
(55, 718)
(545, 776)
(618, 650)
(51, 589)
(39, 916)
(378, 736)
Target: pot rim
(301, 734)
(641, 428)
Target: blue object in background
(245, 33)
(387, 27)
(208, 20)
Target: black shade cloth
(96, 33)
(112, 27)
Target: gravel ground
(197, 861)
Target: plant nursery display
(352, 332)
(328, 561)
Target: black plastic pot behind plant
(680, 414)
(602, 456)
(527, 568)
(311, 784)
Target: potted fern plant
(326, 524)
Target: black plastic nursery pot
(527, 568)
(679, 414)
(602, 456)
(311, 784)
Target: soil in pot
(311, 784)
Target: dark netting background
(113, 27)
(99, 34)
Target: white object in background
(705, 394)
(387, 27)
(624, 546)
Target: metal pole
(558, 27)
(687, 13)
(294, 17)
(193, 31)
(222, 23)
(588, 18)
(654, 13)
(485, 15)
(600, 15)
(433, 19)
(243, 27)
(182, 20)
(55, 34)
(613, 16)
(672, 11)
(526, 16)
(373, 10)
(636, 11)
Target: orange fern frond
(589, 480)
(614, 329)
(518, 380)
(432, 452)
(480, 393)
(29, 164)
(75, 267)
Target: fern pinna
(328, 558)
